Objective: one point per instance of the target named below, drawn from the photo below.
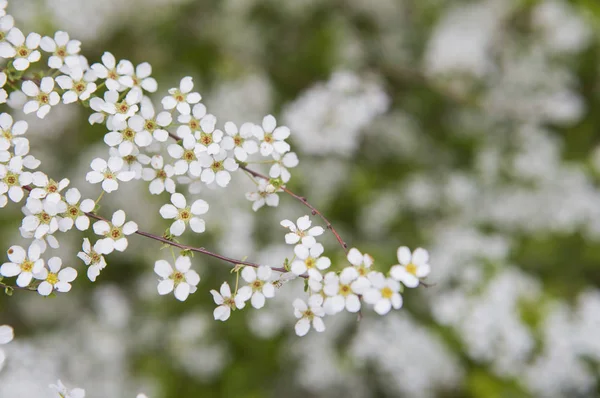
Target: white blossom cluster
(172, 145)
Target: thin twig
(303, 200)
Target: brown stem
(303, 200)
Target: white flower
(240, 141)
(183, 279)
(412, 267)
(55, 278)
(126, 138)
(272, 138)
(226, 302)
(190, 123)
(138, 78)
(149, 124)
(121, 110)
(44, 97)
(216, 168)
(186, 156)
(383, 293)
(12, 179)
(24, 264)
(184, 214)
(42, 216)
(310, 260)
(341, 291)
(258, 286)
(108, 70)
(134, 162)
(10, 134)
(78, 85)
(182, 97)
(361, 262)
(265, 194)
(114, 233)
(302, 232)
(60, 47)
(209, 138)
(92, 258)
(75, 213)
(309, 314)
(47, 188)
(24, 50)
(63, 392)
(108, 172)
(281, 165)
(160, 176)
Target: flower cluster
(170, 145)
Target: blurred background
(469, 128)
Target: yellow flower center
(387, 293)
(27, 266)
(411, 269)
(52, 278)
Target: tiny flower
(209, 138)
(183, 279)
(240, 141)
(55, 278)
(47, 188)
(92, 258)
(186, 156)
(75, 212)
(183, 214)
(120, 109)
(10, 134)
(216, 168)
(24, 264)
(310, 260)
(108, 172)
(78, 85)
(108, 70)
(25, 49)
(63, 392)
(361, 262)
(258, 286)
(182, 97)
(226, 302)
(114, 233)
(383, 293)
(190, 123)
(60, 47)
(44, 96)
(412, 267)
(312, 313)
(265, 194)
(148, 123)
(302, 232)
(138, 78)
(125, 138)
(41, 217)
(341, 291)
(282, 164)
(272, 138)
(134, 162)
(159, 176)
(12, 179)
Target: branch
(303, 200)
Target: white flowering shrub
(171, 145)
(299, 198)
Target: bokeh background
(469, 128)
